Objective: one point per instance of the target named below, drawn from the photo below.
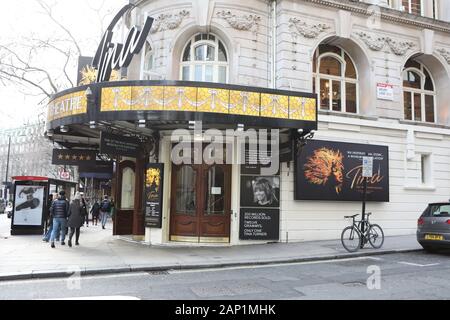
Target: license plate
(434, 237)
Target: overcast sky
(24, 18)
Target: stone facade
(275, 49)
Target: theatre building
(321, 83)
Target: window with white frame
(419, 95)
(335, 78)
(419, 171)
(149, 65)
(204, 59)
(413, 6)
(435, 9)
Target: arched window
(419, 94)
(204, 59)
(335, 79)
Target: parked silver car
(433, 227)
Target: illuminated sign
(215, 100)
(67, 105)
(113, 56)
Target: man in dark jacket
(59, 211)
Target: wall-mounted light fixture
(92, 124)
(141, 123)
(64, 129)
(50, 133)
(240, 127)
(191, 125)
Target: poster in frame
(333, 171)
(29, 204)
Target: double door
(200, 203)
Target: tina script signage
(113, 56)
(73, 157)
(326, 170)
(119, 145)
(154, 177)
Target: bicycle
(353, 238)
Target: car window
(440, 210)
(426, 212)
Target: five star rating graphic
(73, 157)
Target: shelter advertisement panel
(154, 177)
(326, 170)
(28, 205)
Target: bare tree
(21, 62)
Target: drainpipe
(274, 42)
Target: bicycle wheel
(351, 239)
(376, 236)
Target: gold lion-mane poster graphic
(325, 167)
(152, 182)
(153, 195)
(327, 170)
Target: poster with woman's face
(257, 191)
(28, 205)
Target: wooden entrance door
(123, 217)
(201, 203)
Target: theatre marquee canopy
(183, 101)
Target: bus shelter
(30, 202)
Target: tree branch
(48, 11)
(22, 78)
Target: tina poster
(153, 194)
(326, 170)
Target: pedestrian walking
(84, 212)
(49, 221)
(59, 211)
(105, 210)
(95, 211)
(76, 217)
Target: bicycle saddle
(355, 215)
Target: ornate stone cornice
(399, 47)
(388, 14)
(310, 31)
(445, 54)
(168, 21)
(243, 23)
(373, 42)
(377, 43)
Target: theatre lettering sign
(113, 56)
(67, 105)
(326, 170)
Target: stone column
(138, 214)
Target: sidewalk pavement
(26, 257)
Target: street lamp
(7, 168)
